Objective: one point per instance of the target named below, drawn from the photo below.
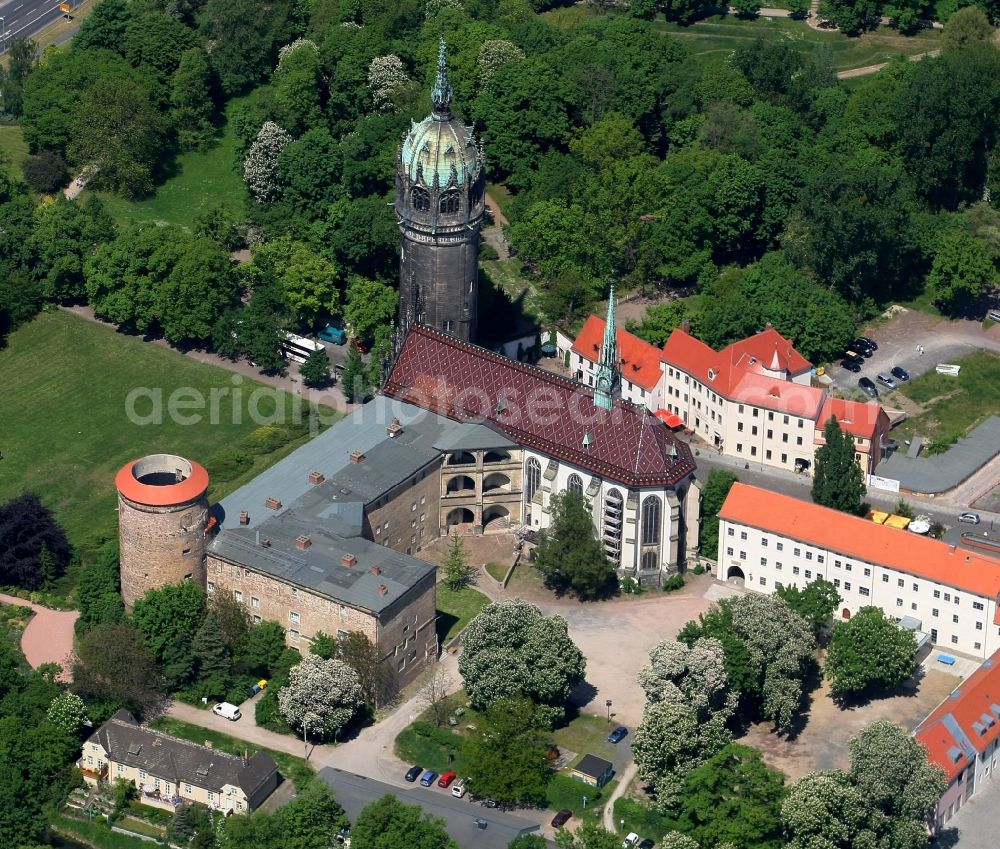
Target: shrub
(698, 569)
(488, 252)
(264, 439)
(674, 582)
(631, 586)
(267, 712)
(228, 464)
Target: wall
(476, 499)
(406, 517)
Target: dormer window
(449, 202)
(420, 199)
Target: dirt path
(871, 69)
(49, 635)
(623, 784)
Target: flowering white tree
(386, 75)
(666, 747)
(321, 696)
(435, 6)
(494, 53)
(260, 168)
(68, 712)
(676, 840)
(822, 809)
(298, 44)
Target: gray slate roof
(180, 761)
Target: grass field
(642, 819)
(14, 149)
(456, 609)
(495, 570)
(291, 767)
(565, 792)
(201, 180)
(64, 432)
(954, 404)
(717, 36)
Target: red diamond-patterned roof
(535, 408)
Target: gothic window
(575, 485)
(420, 199)
(449, 202)
(649, 559)
(651, 520)
(532, 477)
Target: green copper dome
(440, 149)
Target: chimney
(244, 518)
(382, 589)
(348, 560)
(303, 542)
(272, 503)
(769, 326)
(686, 326)
(357, 456)
(376, 570)
(394, 429)
(316, 478)
(951, 549)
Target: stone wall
(407, 515)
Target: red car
(447, 778)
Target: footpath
(49, 635)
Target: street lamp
(608, 704)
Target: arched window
(449, 202)
(532, 477)
(420, 199)
(575, 485)
(651, 520)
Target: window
(187, 788)
(863, 591)
(753, 430)
(211, 586)
(575, 485)
(770, 418)
(868, 572)
(729, 552)
(730, 531)
(142, 774)
(767, 454)
(797, 552)
(899, 602)
(651, 520)
(795, 570)
(820, 558)
(836, 582)
(770, 434)
(743, 534)
(786, 419)
(937, 593)
(763, 542)
(913, 605)
(954, 639)
(739, 447)
(121, 768)
(885, 579)
(294, 635)
(979, 626)
(532, 477)
(954, 619)
(763, 561)
(449, 203)
(413, 507)
(781, 546)
(934, 611)
(798, 440)
(947, 596)
(254, 601)
(238, 596)
(847, 585)
(977, 605)
(753, 450)
(293, 616)
(777, 566)
(915, 587)
(899, 582)
(809, 555)
(763, 582)
(739, 427)
(420, 200)
(978, 645)
(809, 573)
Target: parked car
(851, 364)
(458, 790)
(645, 843)
(860, 351)
(413, 773)
(490, 803)
(860, 344)
(429, 778)
(890, 445)
(560, 819)
(899, 372)
(618, 734)
(871, 343)
(332, 334)
(869, 387)
(969, 518)
(993, 315)
(227, 711)
(631, 839)
(882, 377)
(446, 779)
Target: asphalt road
(24, 18)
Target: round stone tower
(440, 191)
(162, 520)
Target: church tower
(440, 190)
(607, 381)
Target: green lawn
(64, 382)
(495, 570)
(294, 768)
(433, 748)
(96, 832)
(586, 733)
(456, 609)
(954, 404)
(201, 180)
(13, 148)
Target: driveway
(48, 637)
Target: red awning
(671, 420)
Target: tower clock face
(604, 382)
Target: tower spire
(441, 93)
(608, 376)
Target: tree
(261, 651)
(823, 809)
(47, 172)
(838, 481)
(512, 650)
(68, 712)
(869, 650)
(659, 322)
(66, 233)
(666, 747)
(354, 378)
(494, 53)
(370, 305)
(434, 694)
(386, 76)
(244, 35)
(509, 755)
(105, 27)
(309, 171)
(712, 498)
(375, 674)
(747, 8)
(310, 821)
(458, 574)
(98, 592)
(962, 271)
(27, 527)
(589, 835)
(734, 798)
(168, 619)
(529, 841)
(315, 371)
(118, 134)
(323, 645)
(113, 666)
(200, 285)
(321, 696)
(388, 823)
(218, 223)
(966, 26)
(297, 84)
(260, 168)
(191, 100)
(232, 619)
(852, 16)
(210, 651)
(816, 603)
(307, 279)
(570, 556)
(20, 62)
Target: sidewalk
(48, 637)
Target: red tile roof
(640, 360)
(537, 409)
(692, 355)
(152, 495)
(966, 722)
(853, 536)
(854, 417)
(767, 347)
(775, 394)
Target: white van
(227, 711)
(458, 788)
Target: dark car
(899, 373)
(871, 343)
(860, 344)
(869, 387)
(560, 819)
(645, 843)
(851, 364)
(618, 734)
(859, 350)
(413, 773)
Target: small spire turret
(608, 374)
(441, 93)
